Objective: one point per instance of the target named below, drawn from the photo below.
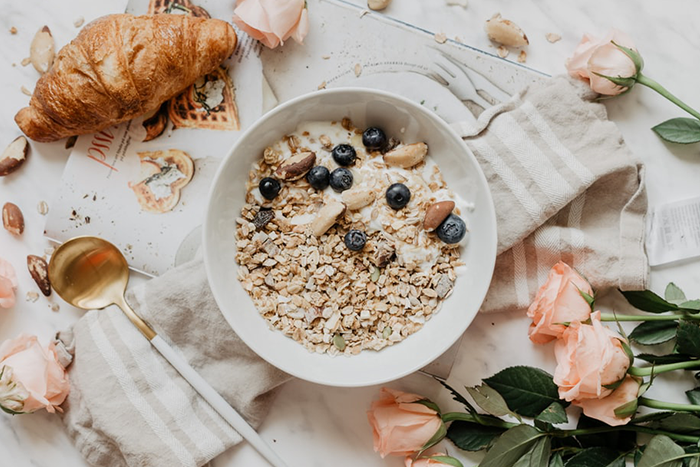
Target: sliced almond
(357, 198)
(43, 50)
(12, 219)
(406, 156)
(437, 213)
(14, 156)
(296, 166)
(505, 32)
(39, 271)
(326, 217)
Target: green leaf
(650, 417)
(617, 440)
(526, 390)
(679, 130)
(590, 299)
(654, 332)
(688, 338)
(448, 460)
(556, 460)
(10, 411)
(490, 401)
(597, 457)
(692, 462)
(511, 446)
(633, 55)
(674, 294)
(430, 404)
(691, 305)
(457, 396)
(693, 395)
(663, 359)
(648, 301)
(661, 451)
(679, 423)
(554, 413)
(472, 436)
(539, 456)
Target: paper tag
(674, 231)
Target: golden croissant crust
(122, 66)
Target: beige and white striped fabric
(565, 187)
(129, 407)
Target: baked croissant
(122, 66)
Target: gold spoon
(91, 273)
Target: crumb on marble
(522, 56)
(13, 30)
(26, 91)
(440, 38)
(358, 70)
(552, 37)
(502, 51)
(78, 21)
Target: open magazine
(143, 185)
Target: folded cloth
(565, 188)
(129, 407)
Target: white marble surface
(312, 425)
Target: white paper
(674, 231)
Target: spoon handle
(217, 402)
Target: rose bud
(36, 371)
(8, 284)
(590, 359)
(435, 460)
(610, 65)
(272, 21)
(618, 407)
(402, 424)
(558, 301)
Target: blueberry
(318, 177)
(452, 229)
(269, 187)
(355, 240)
(344, 154)
(374, 138)
(341, 179)
(398, 195)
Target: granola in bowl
(348, 240)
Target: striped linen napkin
(565, 187)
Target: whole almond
(505, 32)
(326, 217)
(295, 167)
(357, 198)
(39, 271)
(43, 50)
(14, 155)
(437, 213)
(406, 156)
(12, 219)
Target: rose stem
(638, 429)
(465, 417)
(636, 371)
(650, 83)
(609, 317)
(656, 404)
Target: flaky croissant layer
(120, 67)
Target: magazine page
(144, 184)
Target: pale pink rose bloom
(38, 370)
(424, 462)
(589, 357)
(400, 426)
(604, 409)
(602, 56)
(558, 301)
(8, 284)
(272, 21)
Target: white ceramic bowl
(461, 171)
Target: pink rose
(426, 461)
(601, 56)
(8, 284)
(604, 409)
(272, 21)
(558, 301)
(36, 370)
(400, 425)
(589, 357)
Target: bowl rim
(259, 350)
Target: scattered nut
(296, 166)
(13, 30)
(522, 56)
(14, 156)
(26, 61)
(55, 307)
(39, 270)
(462, 3)
(358, 70)
(25, 91)
(505, 32)
(43, 50)
(437, 213)
(78, 21)
(406, 156)
(32, 296)
(357, 198)
(326, 57)
(378, 5)
(326, 217)
(440, 38)
(502, 51)
(12, 219)
(552, 37)
(322, 86)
